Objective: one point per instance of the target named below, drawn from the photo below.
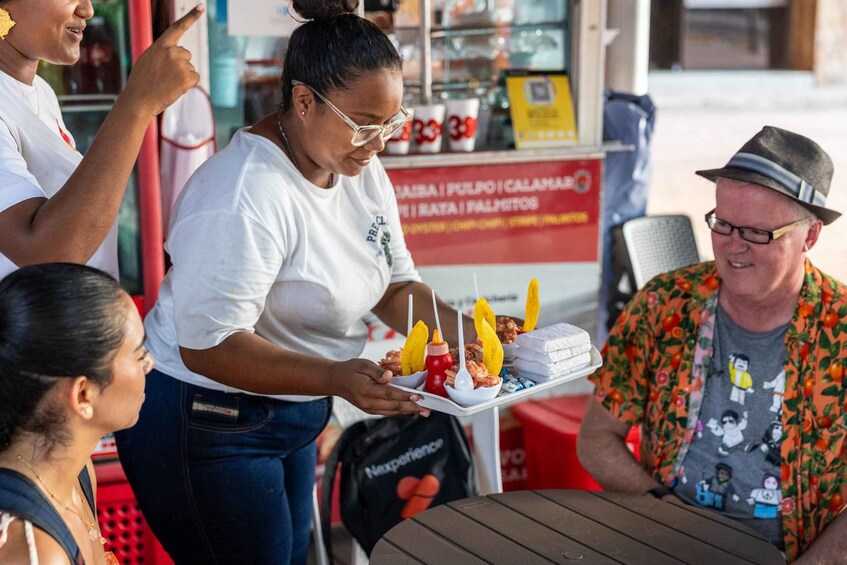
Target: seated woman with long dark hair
(72, 369)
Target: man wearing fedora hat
(757, 328)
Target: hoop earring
(6, 23)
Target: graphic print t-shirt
(733, 466)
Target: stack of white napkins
(552, 352)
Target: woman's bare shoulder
(15, 549)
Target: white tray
(441, 404)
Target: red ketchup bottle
(438, 360)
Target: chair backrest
(657, 244)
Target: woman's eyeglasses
(753, 235)
(362, 135)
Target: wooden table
(562, 526)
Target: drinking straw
(435, 309)
(409, 324)
(475, 287)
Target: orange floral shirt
(656, 360)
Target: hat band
(801, 190)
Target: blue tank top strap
(85, 484)
(22, 498)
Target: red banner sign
(517, 213)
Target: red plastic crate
(121, 521)
(572, 407)
(550, 430)
(550, 442)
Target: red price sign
(543, 212)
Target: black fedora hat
(786, 162)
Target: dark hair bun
(321, 9)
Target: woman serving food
(55, 204)
(280, 244)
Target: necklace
(93, 530)
(290, 152)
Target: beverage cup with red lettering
(427, 127)
(461, 122)
(398, 144)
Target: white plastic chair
(643, 248)
(658, 244)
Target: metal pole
(149, 192)
(591, 67)
(628, 56)
(426, 51)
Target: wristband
(659, 492)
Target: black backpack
(391, 469)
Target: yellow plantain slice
(532, 306)
(414, 350)
(492, 349)
(482, 311)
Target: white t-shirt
(38, 155)
(255, 247)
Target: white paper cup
(427, 127)
(398, 144)
(461, 123)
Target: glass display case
(87, 91)
(451, 49)
(244, 74)
(464, 48)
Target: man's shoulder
(835, 290)
(694, 273)
(16, 548)
(694, 283)
(824, 289)
(670, 297)
(823, 304)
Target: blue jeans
(223, 477)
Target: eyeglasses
(753, 235)
(362, 135)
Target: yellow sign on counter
(542, 111)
